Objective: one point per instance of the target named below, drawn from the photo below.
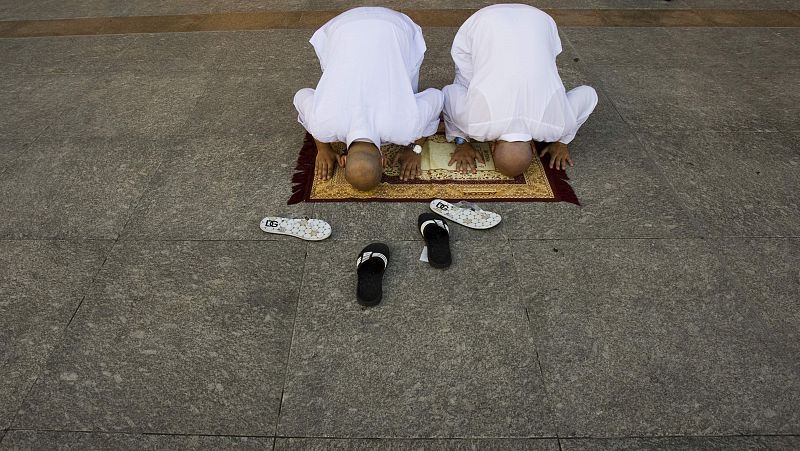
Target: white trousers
(582, 101)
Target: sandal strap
(437, 222)
(468, 205)
(368, 255)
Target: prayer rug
(538, 184)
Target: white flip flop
(303, 228)
(466, 214)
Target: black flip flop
(437, 237)
(371, 263)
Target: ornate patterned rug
(538, 184)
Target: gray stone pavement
(55, 9)
(142, 308)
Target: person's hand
(464, 157)
(325, 162)
(410, 164)
(559, 155)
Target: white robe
(370, 59)
(507, 85)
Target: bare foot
(325, 162)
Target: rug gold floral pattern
(538, 184)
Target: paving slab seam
(90, 284)
(468, 438)
(407, 240)
(790, 135)
(80, 303)
(266, 238)
(759, 237)
(619, 238)
(637, 127)
(56, 240)
(14, 75)
(93, 78)
(128, 136)
(135, 204)
(786, 64)
(741, 131)
(291, 340)
(696, 224)
(696, 221)
(179, 434)
(550, 401)
(120, 72)
(678, 129)
(17, 153)
(545, 437)
(500, 240)
(166, 71)
(259, 20)
(148, 433)
(25, 148)
(671, 436)
(58, 342)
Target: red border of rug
(303, 179)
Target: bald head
(363, 169)
(512, 158)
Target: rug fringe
(559, 182)
(302, 180)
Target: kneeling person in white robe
(370, 59)
(507, 90)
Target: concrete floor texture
(141, 307)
